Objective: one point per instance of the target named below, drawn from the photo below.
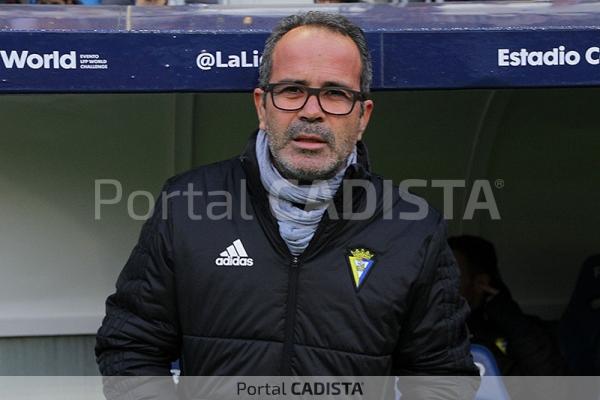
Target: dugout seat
(492, 386)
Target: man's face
(309, 144)
(470, 282)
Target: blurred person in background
(522, 344)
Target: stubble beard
(290, 171)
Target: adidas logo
(234, 255)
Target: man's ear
(367, 109)
(259, 104)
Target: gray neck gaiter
(296, 226)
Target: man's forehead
(306, 33)
(312, 30)
(306, 49)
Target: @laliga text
(245, 59)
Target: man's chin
(306, 172)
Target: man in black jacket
(319, 268)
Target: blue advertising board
(215, 48)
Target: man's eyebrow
(305, 83)
(298, 81)
(334, 83)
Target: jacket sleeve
(140, 334)
(434, 339)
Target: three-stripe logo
(235, 255)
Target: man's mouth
(310, 138)
(310, 142)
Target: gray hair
(333, 22)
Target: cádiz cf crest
(361, 261)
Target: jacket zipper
(262, 210)
(290, 319)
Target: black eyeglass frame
(356, 95)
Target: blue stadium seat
(492, 386)
(175, 371)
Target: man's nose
(312, 110)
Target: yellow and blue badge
(360, 260)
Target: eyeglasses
(332, 99)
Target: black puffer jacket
(284, 315)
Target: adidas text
(235, 261)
